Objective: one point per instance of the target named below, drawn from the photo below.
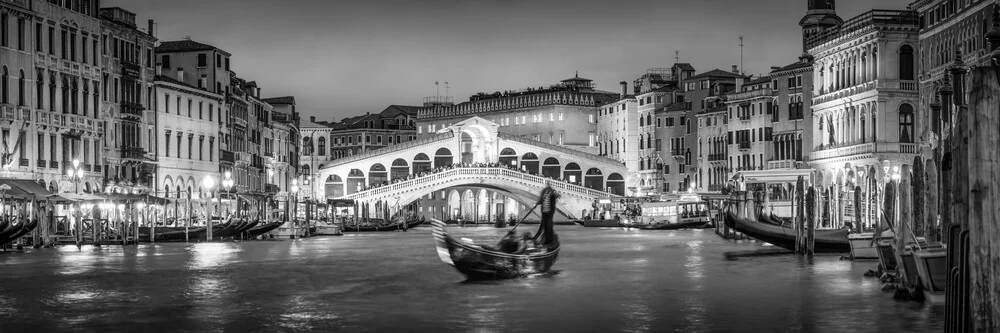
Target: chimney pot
(736, 69)
(180, 74)
(151, 32)
(774, 68)
(624, 88)
(312, 118)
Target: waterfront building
(713, 149)
(792, 88)
(189, 124)
(679, 134)
(655, 89)
(50, 92)
(947, 28)
(750, 125)
(128, 69)
(618, 134)
(864, 103)
(281, 152)
(563, 114)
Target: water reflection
(212, 255)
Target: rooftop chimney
(180, 74)
(736, 69)
(624, 88)
(151, 31)
(312, 118)
(774, 68)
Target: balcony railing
(23, 162)
(132, 108)
(97, 168)
(271, 188)
(53, 164)
(744, 145)
(864, 148)
(716, 157)
(132, 152)
(782, 164)
(891, 85)
(677, 152)
(228, 156)
(42, 163)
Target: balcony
(716, 157)
(130, 69)
(737, 96)
(53, 164)
(42, 163)
(822, 153)
(23, 162)
(677, 152)
(271, 188)
(745, 118)
(97, 168)
(781, 164)
(131, 108)
(744, 145)
(228, 156)
(881, 85)
(132, 152)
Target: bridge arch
(594, 179)
(443, 157)
(377, 174)
(573, 174)
(508, 156)
(551, 168)
(529, 163)
(334, 186)
(399, 169)
(421, 163)
(616, 184)
(355, 181)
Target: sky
(341, 58)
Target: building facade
(127, 76)
(540, 114)
(750, 125)
(50, 80)
(713, 149)
(281, 154)
(188, 148)
(864, 102)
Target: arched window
(906, 123)
(20, 90)
(3, 85)
(906, 65)
(322, 146)
(307, 146)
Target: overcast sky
(347, 57)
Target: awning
(73, 197)
(23, 189)
(137, 198)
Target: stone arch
(399, 169)
(616, 183)
(508, 156)
(529, 163)
(594, 179)
(355, 181)
(421, 163)
(551, 168)
(334, 186)
(377, 174)
(573, 174)
(454, 204)
(443, 157)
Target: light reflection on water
(606, 281)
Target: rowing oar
(525, 216)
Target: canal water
(608, 280)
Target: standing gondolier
(547, 201)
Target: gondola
(479, 263)
(173, 234)
(826, 241)
(388, 227)
(24, 229)
(262, 229)
(774, 220)
(675, 226)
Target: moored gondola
(23, 228)
(675, 226)
(262, 229)
(410, 223)
(479, 263)
(826, 241)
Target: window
(167, 144)
(218, 60)
(20, 34)
(4, 86)
(190, 144)
(906, 64)
(20, 89)
(165, 62)
(189, 107)
(202, 60)
(200, 104)
(906, 123)
(3, 29)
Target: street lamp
(209, 184)
(228, 183)
(75, 174)
(295, 204)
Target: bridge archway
(616, 184)
(377, 174)
(573, 174)
(442, 158)
(551, 168)
(399, 169)
(508, 157)
(355, 181)
(421, 163)
(529, 163)
(334, 186)
(594, 179)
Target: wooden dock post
(799, 216)
(811, 216)
(917, 192)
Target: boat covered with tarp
(377, 225)
(477, 262)
(826, 241)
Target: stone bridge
(402, 173)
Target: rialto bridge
(501, 173)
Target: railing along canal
(458, 172)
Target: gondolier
(547, 202)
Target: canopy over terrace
(23, 189)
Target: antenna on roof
(677, 56)
(446, 89)
(187, 37)
(438, 87)
(577, 75)
(741, 54)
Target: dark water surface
(608, 281)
